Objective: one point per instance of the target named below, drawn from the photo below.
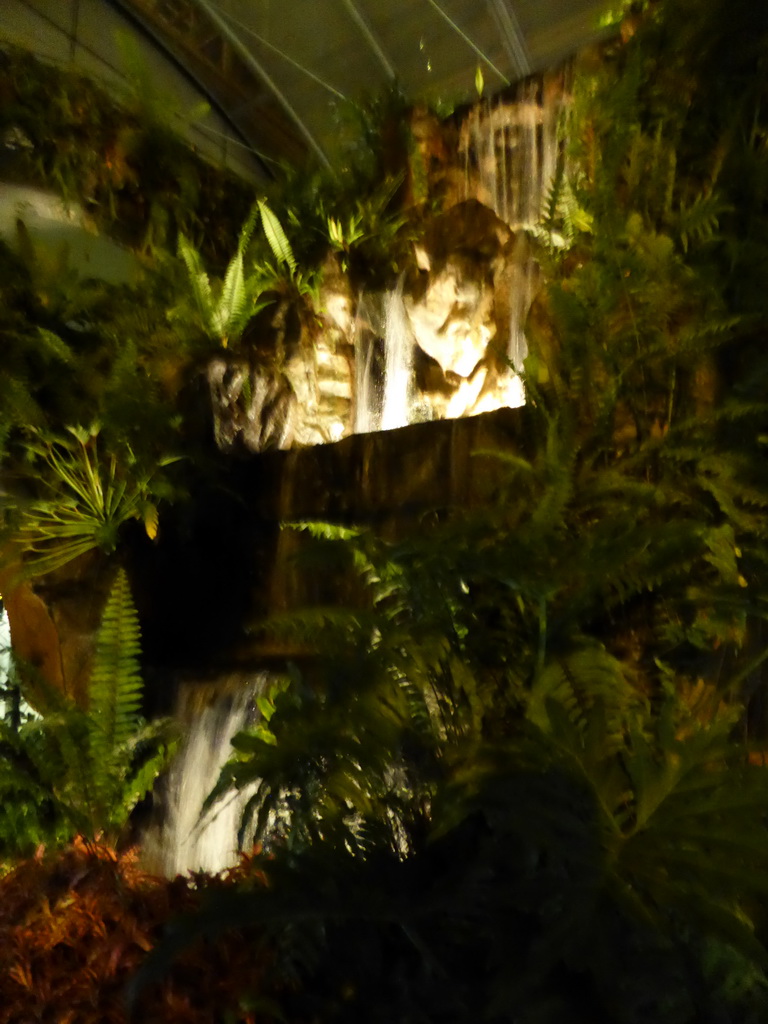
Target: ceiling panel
(279, 69)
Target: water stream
(509, 149)
(397, 404)
(511, 153)
(185, 841)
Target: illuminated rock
(453, 320)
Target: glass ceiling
(276, 71)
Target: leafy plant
(224, 312)
(614, 857)
(121, 161)
(224, 316)
(284, 275)
(81, 771)
(89, 500)
(373, 234)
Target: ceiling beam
(370, 37)
(285, 56)
(257, 68)
(470, 42)
(151, 33)
(504, 15)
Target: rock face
(443, 341)
(436, 345)
(210, 581)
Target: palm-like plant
(88, 498)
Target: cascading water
(513, 150)
(187, 841)
(397, 405)
(510, 150)
(366, 404)
(384, 387)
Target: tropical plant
(284, 274)
(372, 236)
(608, 860)
(81, 771)
(223, 316)
(77, 350)
(88, 498)
(223, 313)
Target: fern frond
(231, 311)
(115, 686)
(276, 237)
(698, 220)
(246, 231)
(198, 279)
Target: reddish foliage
(74, 927)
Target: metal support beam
(368, 33)
(148, 32)
(250, 60)
(285, 56)
(504, 15)
(470, 43)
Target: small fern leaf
(247, 229)
(198, 279)
(231, 309)
(150, 520)
(278, 242)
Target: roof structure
(276, 73)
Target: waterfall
(384, 394)
(397, 405)
(508, 154)
(516, 145)
(366, 394)
(184, 841)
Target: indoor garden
(385, 554)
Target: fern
(276, 237)
(223, 311)
(198, 278)
(698, 220)
(87, 768)
(115, 685)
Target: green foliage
(222, 312)
(78, 351)
(224, 316)
(580, 862)
(33, 354)
(122, 162)
(88, 499)
(374, 234)
(276, 237)
(81, 771)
